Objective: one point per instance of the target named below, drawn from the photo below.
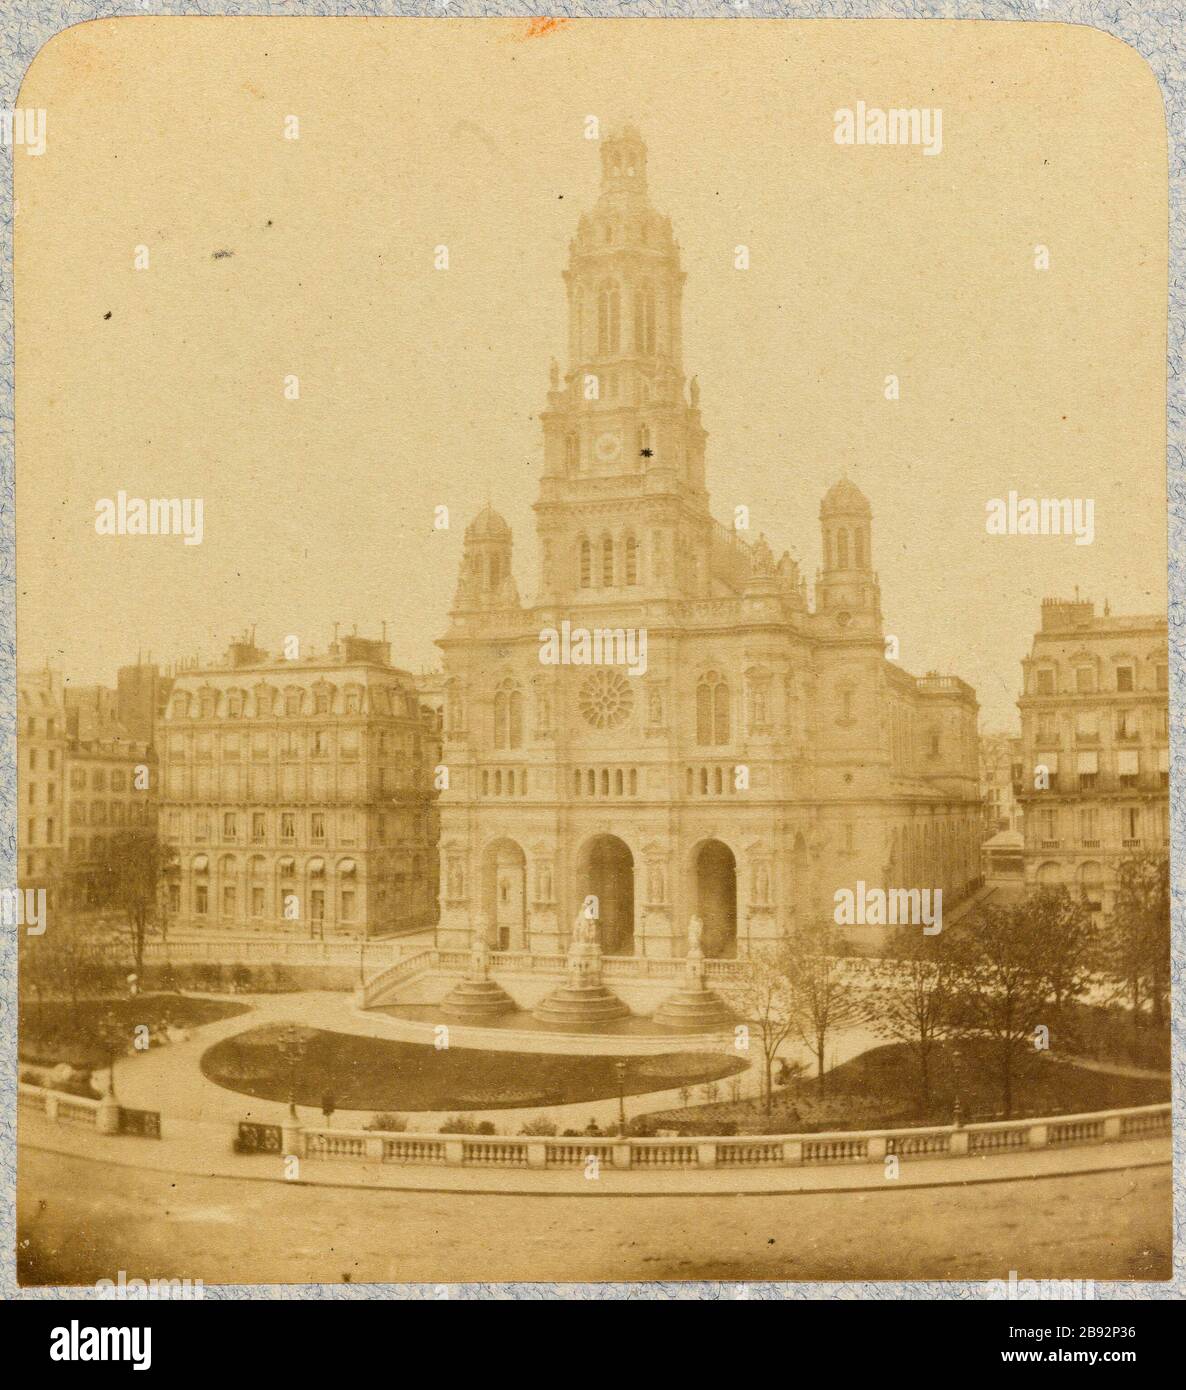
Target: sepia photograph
(592, 665)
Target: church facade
(673, 725)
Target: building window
(317, 827)
(259, 827)
(508, 716)
(230, 827)
(608, 317)
(175, 898)
(572, 452)
(201, 825)
(1045, 682)
(1128, 766)
(257, 900)
(586, 563)
(1084, 680)
(631, 556)
(288, 826)
(234, 704)
(1124, 678)
(321, 702)
(1163, 676)
(201, 899)
(228, 900)
(321, 743)
(1127, 726)
(712, 710)
(644, 320)
(607, 563)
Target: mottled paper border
(1148, 27)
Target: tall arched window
(644, 320)
(607, 562)
(495, 570)
(608, 318)
(586, 563)
(842, 549)
(858, 544)
(631, 565)
(572, 452)
(508, 715)
(712, 710)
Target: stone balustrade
(757, 1151)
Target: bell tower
(847, 590)
(621, 424)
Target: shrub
(240, 978)
(540, 1126)
(283, 979)
(485, 1127)
(386, 1121)
(459, 1124)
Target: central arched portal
(605, 871)
(716, 898)
(504, 894)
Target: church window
(586, 563)
(607, 562)
(859, 546)
(495, 569)
(842, 549)
(712, 710)
(631, 560)
(644, 320)
(572, 452)
(608, 317)
(508, 716)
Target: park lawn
(380, 1074)
(877, 1090)
(1108, 1034)
(58, 1030)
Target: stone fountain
(582, 999)
(693, 1007)
(478, 997)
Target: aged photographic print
(592, 676)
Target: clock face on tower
(608, 446)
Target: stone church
(762, 754)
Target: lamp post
(620, 1068)
(292, 1049)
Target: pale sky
(420, 387)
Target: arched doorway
(605, 871)
(715, 873)
(504, 894)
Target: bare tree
(823, 999)
(1136, 937)
(133, 864)
(763, 997)
(1002, 991)
(911, 999)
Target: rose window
(606, 699)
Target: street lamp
(620, 1068)
(292, 1049)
